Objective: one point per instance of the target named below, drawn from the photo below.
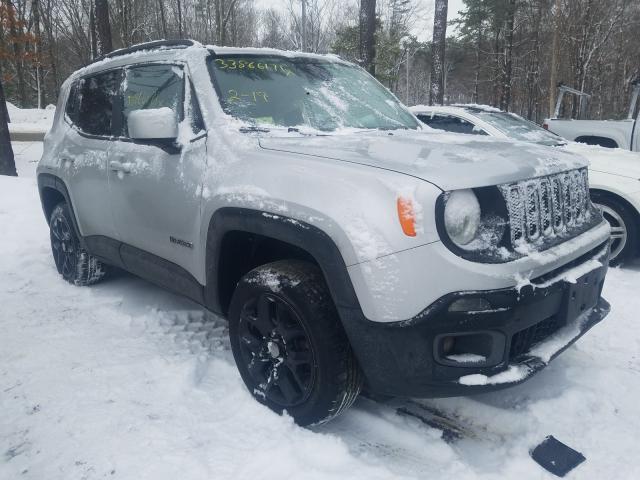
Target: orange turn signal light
(407, 216)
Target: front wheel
(624, 230)
(289, 344)
(74, 263)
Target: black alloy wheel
(289, 343)
(63, 246)
(73, 262)
(276, 350)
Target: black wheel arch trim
(300, 234)
(48, 180)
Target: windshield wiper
(254, 129)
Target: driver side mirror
(153, 124)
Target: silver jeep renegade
(348, 247)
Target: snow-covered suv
(348, 247)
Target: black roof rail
(155, 45)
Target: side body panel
(83, 166)
(156, 203)
(619, 131)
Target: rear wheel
(624, 229)
(289, 345)
(74, 263)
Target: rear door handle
(124, 167)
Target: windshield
(519, 129)
(304, 92)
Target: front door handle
(124, 167)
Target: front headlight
(462, 216)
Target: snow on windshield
(518, 128)
(308, 92)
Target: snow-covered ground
(125, 381)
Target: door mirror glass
(153, 124)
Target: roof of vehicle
(273, 51)
(160, 50)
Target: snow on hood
(449, 161)
(614, 161)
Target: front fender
(300, 234)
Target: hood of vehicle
(449, 161)
(613, 161)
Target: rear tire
(73, 262)
(624, 227)
(289, 344)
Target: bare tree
(555, 54)
(7, 160)
(224, 10)
(367, 35)
(507, 69)
(436, 93)
(40, 87)
(102, 27)
(179, 18)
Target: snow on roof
(273, 51)
(453, 108)
(477, 106)
(169, 52)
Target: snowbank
(30, 120)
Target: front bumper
(520, 330)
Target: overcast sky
(422, 29)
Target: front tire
(73, 262)
(289, 344)
(624, 227)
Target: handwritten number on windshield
(257, 96)
(237, 64)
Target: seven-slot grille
(544, 207)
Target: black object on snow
(556, 457)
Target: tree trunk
(163, 20)
(476, 79)
(102, 27)
(533, 109)
(179, 19)
(47, 20)
(35, 10)
(497, 67)
(436, 93)
(505, 98)
(17, 52)
(92, 31)
(367, 47)
(555, 53)
(303, 20)
(219, 35)
(7, 160)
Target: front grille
(546, 207)
(524, 340)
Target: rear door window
(97, 97)
(153, 86)
(71, 109)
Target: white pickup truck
(623, 134)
